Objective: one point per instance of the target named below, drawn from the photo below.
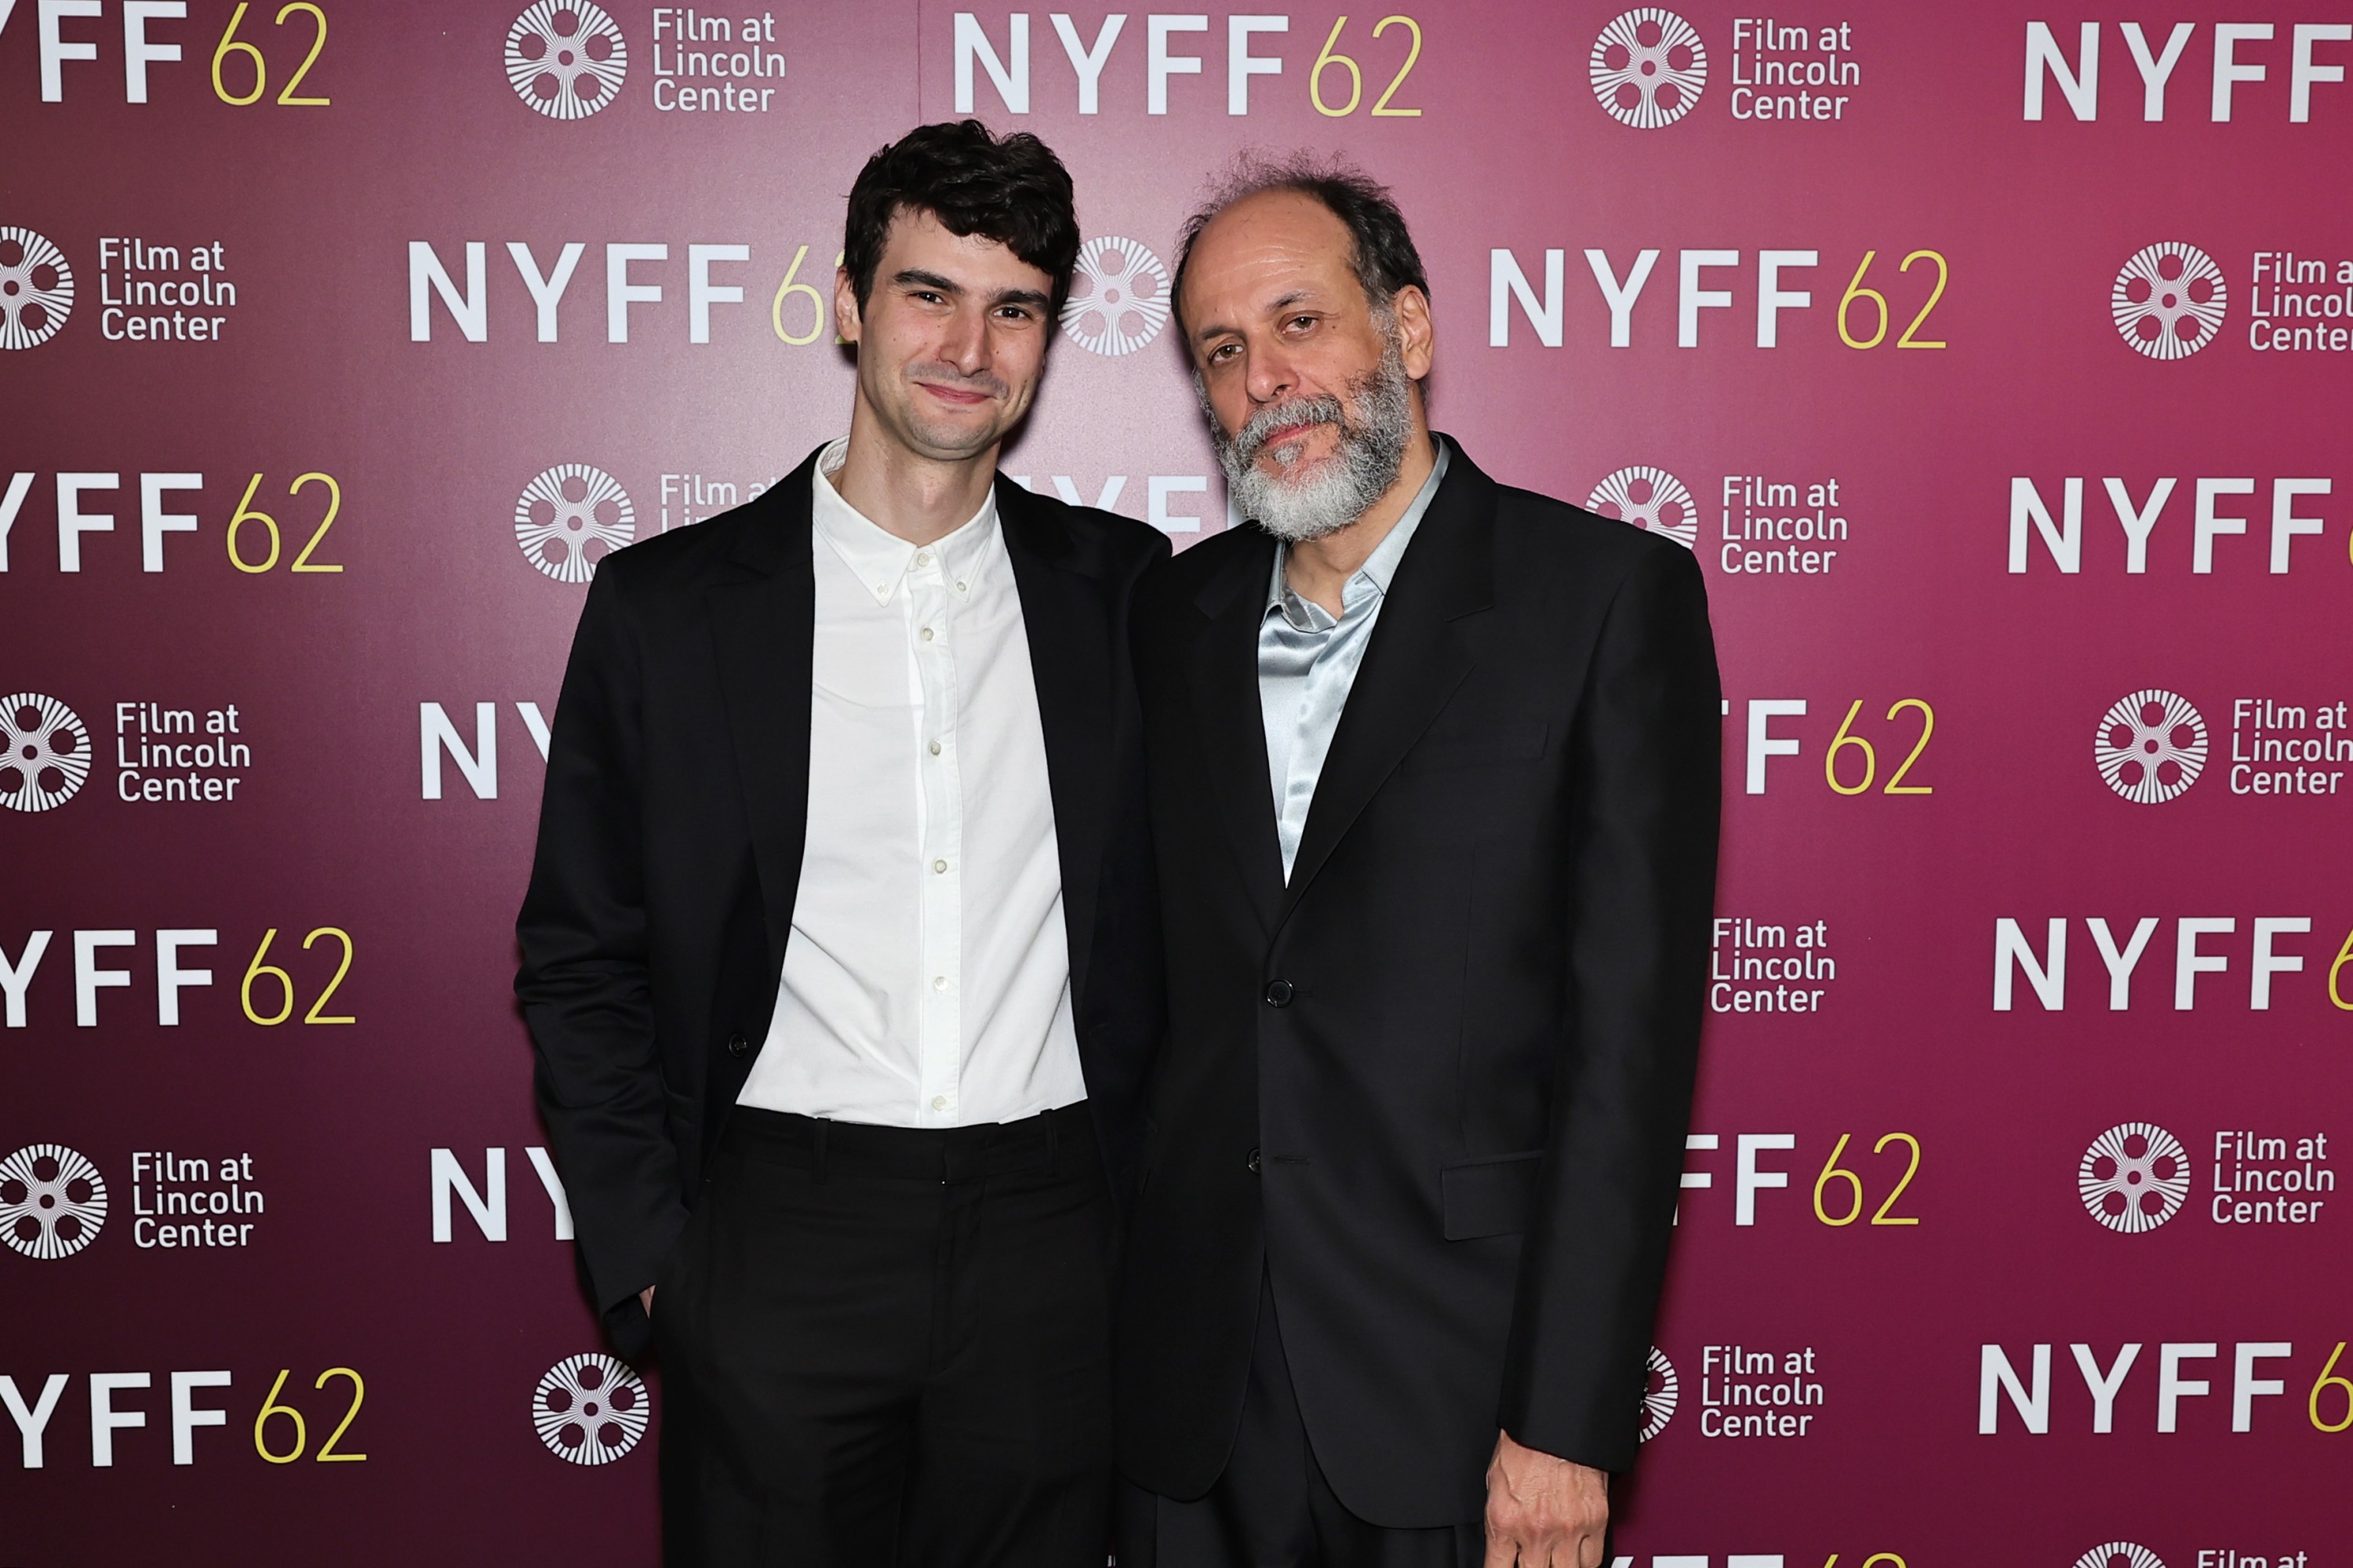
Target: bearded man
(1434, 800)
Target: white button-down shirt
(927, 982)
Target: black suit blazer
(672, 831)
(1438, 1086)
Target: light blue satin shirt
(1307, 661)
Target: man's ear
(1416, 335)
(846, 320)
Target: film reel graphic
(1119, 296)
(1649, 498)
(44, 752)
(2120, 1555)
(52, 1201)
(2151, 746)
(1649, 68)
(37, 289)
(2134, 1178)
(566, 59)
(1660, 1393)
(590, 1409)
(2169, 299)
(570, 517)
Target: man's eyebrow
(1282, 302)
(915, 277)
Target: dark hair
(1381, 250)
(1012, 190)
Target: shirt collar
(1370, 580)
(880, 560)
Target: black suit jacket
(671, 837)
(1438, 1086)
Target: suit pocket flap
(1504, 743)
(1489, 1197)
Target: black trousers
(1272, 1507)
(889, 1346)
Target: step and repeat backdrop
(1992, 360)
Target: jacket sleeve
(1645, 791)
(584, 983)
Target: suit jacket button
(1280, 992)
(737, 1046)
(1253, 1162)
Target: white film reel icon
(52, 1201)
(2169, 299)
(2151, 746)
(566, 59)
(1660, 1393)
(37, 289)
(1119, 296)
(1648, 66)
(1649, 498)
(44, 752)
(2134, 1178)
(572, 517)
(590, 1409)
(2120, 1555)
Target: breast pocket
(1490, 1196)
(1521, 741)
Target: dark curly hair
(1381, 251)
(1010, 189)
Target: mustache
(1324, 409)
(949, 375)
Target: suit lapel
(1063, 616)
(764, 630)
(1418, 656)
(1231, 722)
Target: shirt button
(922, 557)
(959, 587)
(1253, 1162)
(936, 749)
(939, 1102)
(1280, 992)
(927, 634)
(939, 867)
(939, 982)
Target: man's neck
(916, 498)
(1319, 568)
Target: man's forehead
(1268, 250)
(920, 231)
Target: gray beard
(1374, 425)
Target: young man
(1434, 789)
(839, 956)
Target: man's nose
(966, 344)
(1271, 376)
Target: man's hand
(646, 1300)
(1544, 1512)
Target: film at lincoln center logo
(52, 1201)
(1649, 68)
(2169, 299)
(45, 752)
(1119, 296)
(2120, 1555)
(566, 59)
(37, 289)
(590, 1409)
(1660, 1393)
(2151, 746)
(572, 517)
(2134, 1178)
(1649, 498)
